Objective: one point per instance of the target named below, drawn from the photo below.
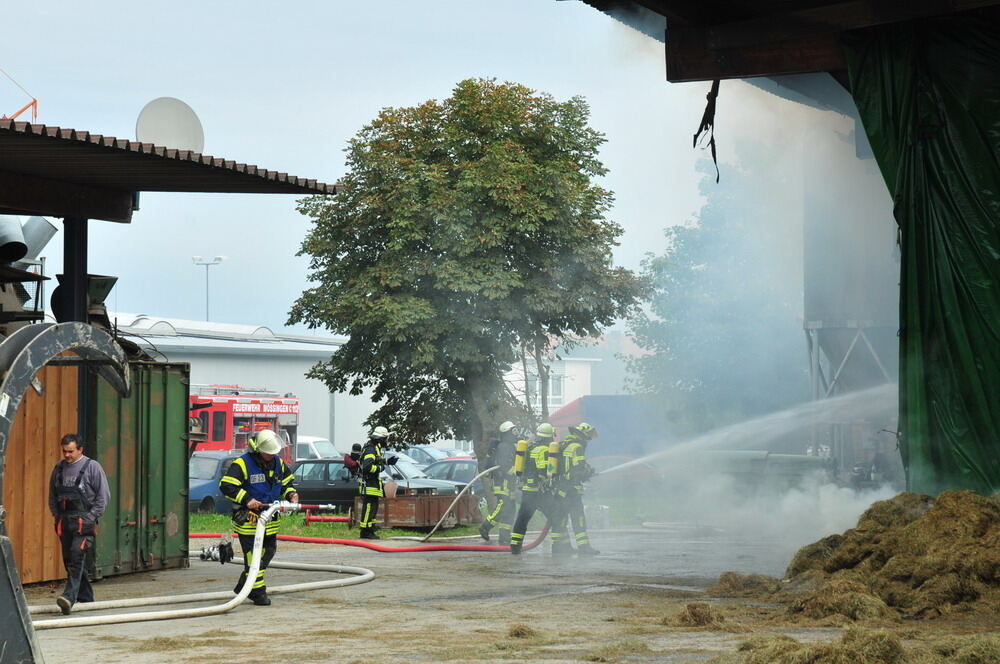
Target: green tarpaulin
(929, 97)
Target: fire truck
(227, 415)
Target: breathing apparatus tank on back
(553, 457)
(520, 451)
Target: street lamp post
(197, 260)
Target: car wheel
(207, 505)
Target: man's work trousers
(572, 514)
(78, 554)
(532, 501)
(369, 512)
(268, 549)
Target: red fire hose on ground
(382, 548)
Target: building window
(555, 391)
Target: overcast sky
(284, 86)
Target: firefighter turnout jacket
(249, 476)
(575, 469)
(371, 466)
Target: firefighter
(574, 471)
(371, 488)
(254, 480)
(501, 453)
(537, 488)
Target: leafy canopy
(462, 228)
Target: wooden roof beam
(689, 60)
(28, 194)
(829, 19)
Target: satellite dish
(170, 123)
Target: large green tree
(463, 231)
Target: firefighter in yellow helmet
(536, 488)
(371, 489)
(574, 471)
(253, 481)
(501, 453)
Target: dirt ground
(461, 607)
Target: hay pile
(920, 556)
(856, 646)
(733, 584)
(696, 614)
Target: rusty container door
(32, 452)
(142, 444)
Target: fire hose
(454, 502)
(362, 575)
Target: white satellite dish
(170, 123)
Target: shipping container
(142, 444)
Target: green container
(142, 444)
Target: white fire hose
(454, 502)
(362, 575)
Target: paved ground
(442, 606)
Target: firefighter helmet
(266, 442)
(379, 433)
(506, 426)
(545, 430)
(586, 430)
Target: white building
(256, 357)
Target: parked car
(205, 469)
(461, 471)
(459, 454)
(329, 481)
(425, 455)
(315, 447)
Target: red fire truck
(229, 414)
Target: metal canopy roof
(64, 172)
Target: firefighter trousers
(531, 502)
(502, 517)
(267, 551)
(369, 512)
(571, 514)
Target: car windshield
(464, 472)
(435, 452)
(202, 468)
(326, 449)
(410, 470)
(438, 471)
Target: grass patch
(294, 524)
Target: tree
(723, 336)
(462, 230)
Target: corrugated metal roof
(105, 161)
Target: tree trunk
(527, 383)
(543, 381)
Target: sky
(286, 86)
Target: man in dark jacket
(78, 496)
